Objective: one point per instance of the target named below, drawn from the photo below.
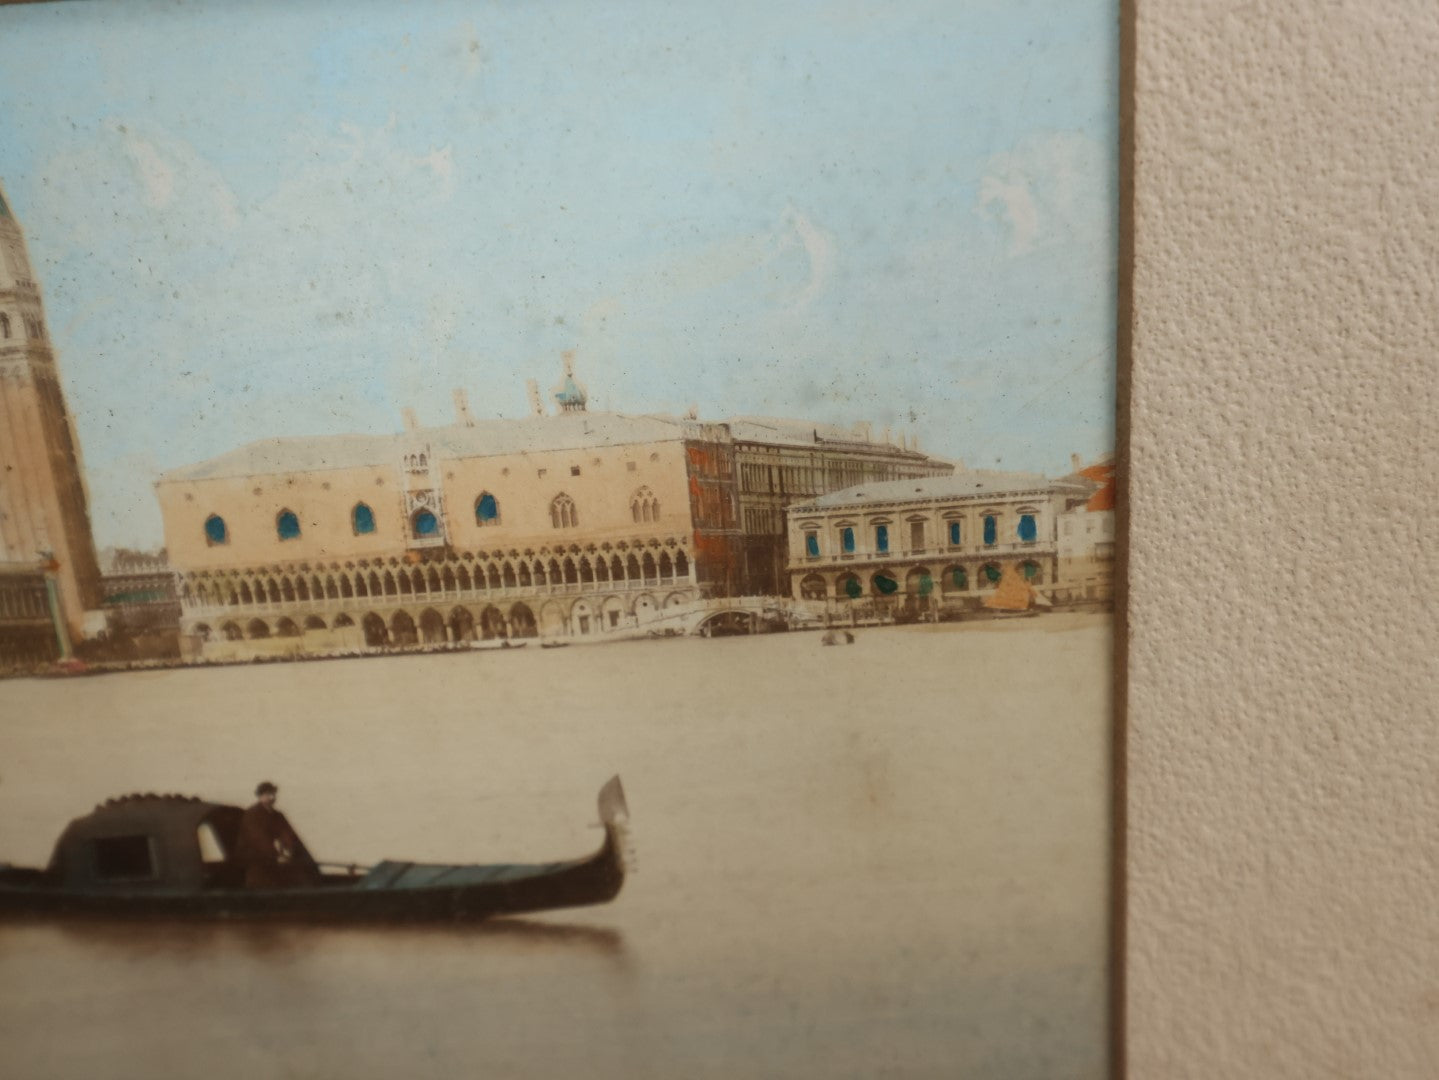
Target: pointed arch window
(563, 514)
(644, 506)
(487, 510)
(362, 519)
(991, 529)
(215, 531)
(287, 525)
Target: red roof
(1103, 475)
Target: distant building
(782, 462)
(27, 633)
(43, 512)
(1087, 537)
(930, 545)
(578, 524)
(140, 597)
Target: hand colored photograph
(563, 539)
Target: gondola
(163, 856)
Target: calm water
(882, 860)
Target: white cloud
(118, 179)
(1016, 204)
(155, 172)
(1048, 189)
(442, 164)
(819, 247)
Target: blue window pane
(287, 525)
(364, 519)
(811, 543)
(846, 539)
(426, 524)
(487, 509)
(1027, 531)
(881, 537)
(989, 528)
(215, 529)
(954, 532)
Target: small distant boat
(143, 856)
(70, 666)
(554, 644)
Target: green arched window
(363, 519)
(487, 510)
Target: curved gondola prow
(613, 808)
(615, 817)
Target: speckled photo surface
(414, 416)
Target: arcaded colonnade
(400, 602)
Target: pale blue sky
(252, 219)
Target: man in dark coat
(270, 852)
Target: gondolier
(269, 849)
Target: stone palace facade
(574, 524)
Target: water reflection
(140, 939)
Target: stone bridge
(736, 615)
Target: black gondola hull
(390, 892)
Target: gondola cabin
(150, 842)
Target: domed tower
(42, 496)
(570, 394)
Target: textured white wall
(1282, 736)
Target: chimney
(412, 422)
(462, 408)
(1076, 462)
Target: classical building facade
(575, 524)
(782, 462)
(930, 545)
(43, 511)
